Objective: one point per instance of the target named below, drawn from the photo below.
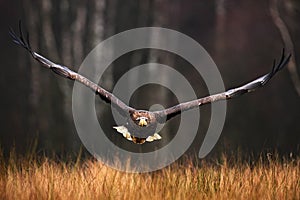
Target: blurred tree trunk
(220, 29)
(161, 18)
(286, 37)
(63, 31)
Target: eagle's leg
(124, 131)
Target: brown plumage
(141, 124)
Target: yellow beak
(142, 122)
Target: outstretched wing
(249, 87)
(67, 73)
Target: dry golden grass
(46, 179)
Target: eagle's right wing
(65, 72)
(168, 113)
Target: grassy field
(31, 178)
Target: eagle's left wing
(249, 87)
(65, 72)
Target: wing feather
(68, 73)
(235, 92)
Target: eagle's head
(142, 121)
(141, 118)
(140, 127)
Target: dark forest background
(240, 35)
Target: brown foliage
(46, 179)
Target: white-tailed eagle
(141, 124)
